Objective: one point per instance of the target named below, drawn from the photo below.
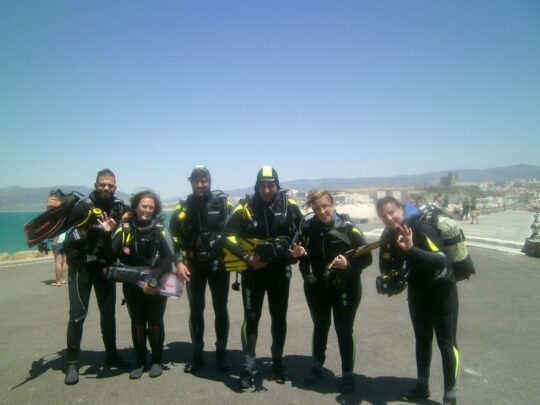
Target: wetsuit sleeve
(166, 253)
(360, 262)
(428, 248)
(118, 241)
(296, 218)
(231, 232)
(229, 208)
(304, 260)
(175, 229)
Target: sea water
(12, 238)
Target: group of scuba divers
(260, 238)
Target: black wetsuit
(338, 292)
(195, 226)
(256, 219)
(432, 297)
(88, 251)
(148, 245)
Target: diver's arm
(428, 249)
(231, 229)
(166, 254)
(296, 217)
(118, 240)
(360, 262)
(175, 226)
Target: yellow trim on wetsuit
(456, 354)
(85, 220)
(431, 245)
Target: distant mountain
(432, 178)
(34, 199)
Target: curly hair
(136, 199)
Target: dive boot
(221, 361)
(156, 370)
(280, 373)
(136, 372)
(347, 384)
(449, 401)
(196, 363)
(419, 392)
(72, 374)
(246, 379)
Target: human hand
(183, 273)
(256, 263)
(340, 262)
(107, 224)
(405, 238)
(149, 290)
(297, 250)
(127, 216)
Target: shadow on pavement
(181, 352)
(379, 390)
(87, 365)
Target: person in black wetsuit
(412, 244)
(267, 223)
(144, 242)
(88, 251)
(325, 238)
(196, 225)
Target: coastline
(25, 256)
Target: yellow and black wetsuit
(88, 251)
(432, 297)
(196, 225)
(252, 220)
(339, 293)
(148, 245)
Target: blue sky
(314, 88)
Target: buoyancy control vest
(200, 225)
(453, 239)
(86, 237)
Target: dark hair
(315, 195)
(136, 199)
(105, 173)
(385, 200)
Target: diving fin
(53, 221)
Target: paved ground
(498, 339)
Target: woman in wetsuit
(331, 281)
(143, 241)
(414, 245)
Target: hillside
(432, 178)
(33, 199)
